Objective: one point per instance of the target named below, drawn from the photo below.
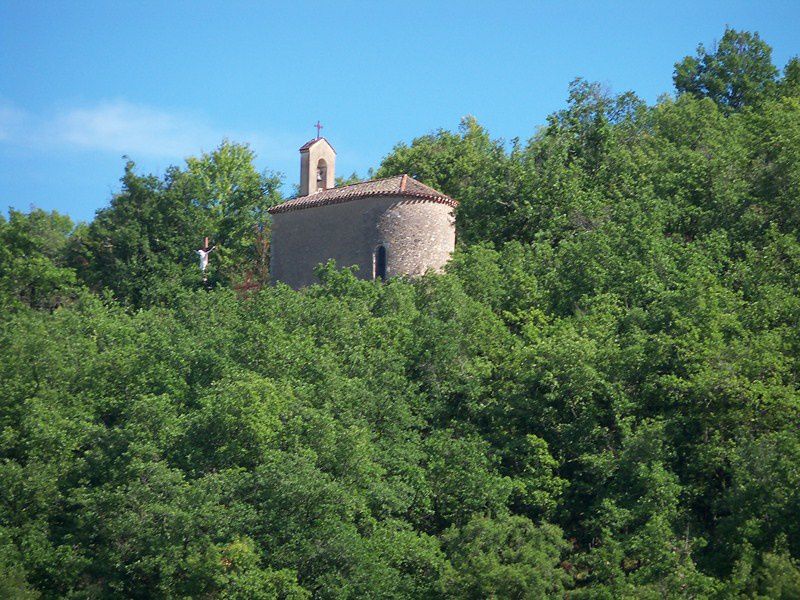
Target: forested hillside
(599, 399)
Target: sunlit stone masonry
(385, 227)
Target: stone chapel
(385, 227)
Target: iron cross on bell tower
(319, 127)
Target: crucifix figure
(203, 253)
(319, 127)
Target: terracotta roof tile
(400, 185)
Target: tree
(468, 166)
(790, 83)
(597, 398)
(142, 247)
(737, 73)
(33, 260)
(508, 557)
(226, 187)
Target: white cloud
(127, 128)
(121, 127)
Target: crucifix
(203, 253)
(318, 126)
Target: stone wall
(418, 235)
(309, 158)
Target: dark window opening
(322, 174)
(380, 263)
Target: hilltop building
(386, 227)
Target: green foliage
(506, 558)
(736, 74)
(142, 247)
(33, 270)
(467, 165)
(13, 579)
(597, 399)
(225, 186)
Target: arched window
(380, 263)
(322, 174)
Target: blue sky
(84, 83)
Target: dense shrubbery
(600, 397)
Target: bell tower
(317, 166)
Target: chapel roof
(310, 143)
(399, 185)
